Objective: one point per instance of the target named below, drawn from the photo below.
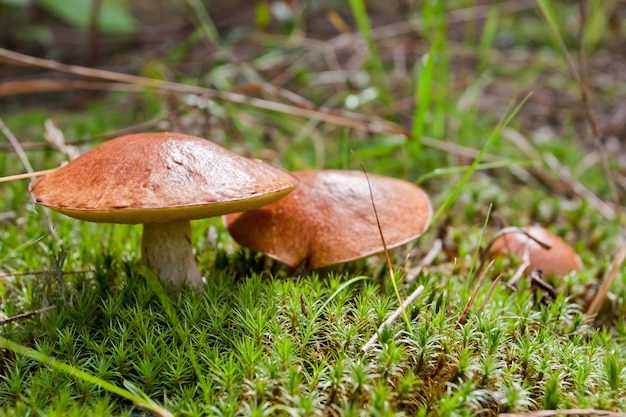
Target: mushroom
(329, 219)
(161, 180)
(539, 248)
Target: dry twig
(601, 295)
(571, 412)
(40, 272)
(356, 121)
(364, 123)
(466, 310)
(26, 315)
(26, 175)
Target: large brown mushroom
(329, 219)
(539, 248)
(161, 180)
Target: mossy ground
(264, 340)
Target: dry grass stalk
(492, 288)
(466, 310)
(365, 123)
(25, 175)
(12, 88)
(26, 315)
(570, 412)
(598, 300)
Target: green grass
(261, 339)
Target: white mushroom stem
(166, 249)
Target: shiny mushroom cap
(556, 258)
(329, 218)
(162, 180)
(157, 178)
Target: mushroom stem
(166, 249)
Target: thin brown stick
(26, 175)
(41, 272)
(344, 119)
(339, 118)
(350, 120)
(25, 315)
(140, 127)
(570, 412)
(12, 88)
(466, 310)
(598, 300)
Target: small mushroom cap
(157, 178)
(329, 219)
(560, 259)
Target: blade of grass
(336, 293)
(441, 66)
(489, 33)
(431, 79)
(206, 24)
(504, 121)
(461, 168)
(423, 88)
(375, 62)
(137, 397)
(548, 15)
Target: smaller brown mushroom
(329, 219)
(538, 248)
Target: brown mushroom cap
(162, 180)
(329, 219)
(159, 177)
(559, 259)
